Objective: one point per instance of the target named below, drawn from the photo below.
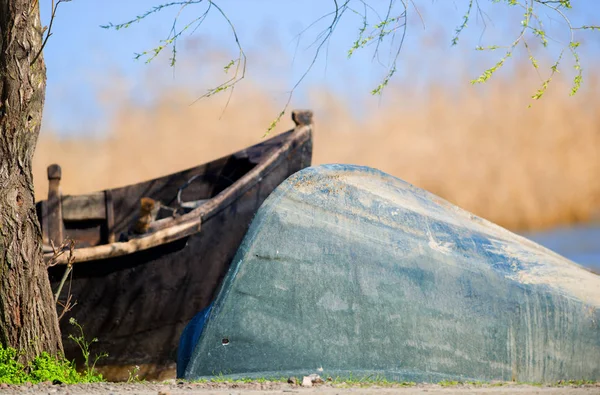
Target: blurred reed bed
(479, 147)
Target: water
(581, 244)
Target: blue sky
(83, 58)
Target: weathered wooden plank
(44, 223)
(110, 216)
(302, 117)
(84, 207)
(53, 206)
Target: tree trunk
(28, 320)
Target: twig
(67, 306)
(49, 33)
(70, 261)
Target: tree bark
(28, 320)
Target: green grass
(46, 367)
(381, 381)
(453, 383)
(351, 381)
(43, 368)
(568, 383)
(561, 383)
(220, 378)
(368, 381)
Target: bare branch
(386, 28)
(54, 7)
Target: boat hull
(348, 271)
(138, 304)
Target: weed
(381, 381)
(200, 381)
(220, 378)
(44, 367)
(454, 383)
(48, 368)
(578, 383)
(11, 371)
(133, 375)
(369, 380)
(449, 383)
(89, 374)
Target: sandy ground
(282, 388)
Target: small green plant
(48, 368)
(220, 378)
(44, 367)
(11, 371)
(133, 375)
(89, 373)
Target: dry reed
(481, 148)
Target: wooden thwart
(58, 209)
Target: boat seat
(59, 212)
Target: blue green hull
(346, 270)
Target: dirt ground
(281, 388)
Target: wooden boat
(136, 292)
(349, 272)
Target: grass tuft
(44, 368)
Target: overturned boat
(347, 271)
(148, 256)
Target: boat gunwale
(190, 223)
